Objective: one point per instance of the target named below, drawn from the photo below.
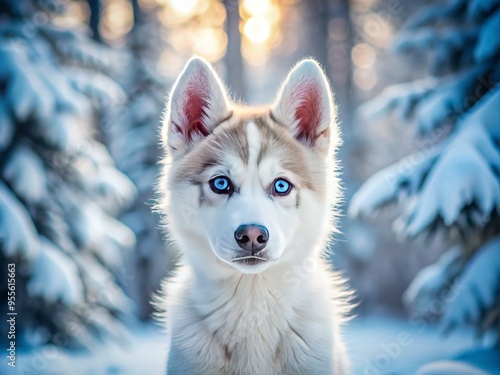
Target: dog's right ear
(197, 103)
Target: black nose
(251, 237)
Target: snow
(65, 98)
(448, 100)
(477, 287)
(378, 345)
(400, 98)
(58, 199)
(464, 173)
(416, 39)
(26, 94)
(103, 283)
(113, 188)
(459, 187)
(460, 176)
(54, 276)
(17, 232)
(77, 47)
(102, 90)
(427, 15)
(65, 131)
(25, 173)
(430, 102)
(383, 345)
(445, 184)
(486, 115)
(487, 359)
(430, 281)
(94, 229)
(477, 8)
(474, 362)
(144, 352)
(488, 44)
(448, 368)
(385, 186)
(378, 191)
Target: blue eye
(221, 185)
(281, 187)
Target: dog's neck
(279, 281)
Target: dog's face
(248, 187)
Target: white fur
(279, 317)
(290, 96)
(254, 142)
(200, 75)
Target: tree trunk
(339, 58)
(95, 17)
(233, 59)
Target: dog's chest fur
(248, 326)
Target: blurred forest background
(82, 88)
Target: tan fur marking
(227, 138)
(231, 137)
(277, 141)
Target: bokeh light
(257, 30)
(76, 13)
(210, 43)
(256, 8)
(217, 14)
(117, 20)
(377, 30)
(184, 7)
(365, 78)
(194, 27)
(363, 55)
(170, 63)
(260, 29)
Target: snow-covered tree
(453, 185)
(60, 191)
(132, 135)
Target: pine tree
(132, 133)
(60, 191)
(452, 186)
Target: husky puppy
(248, 196)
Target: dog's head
(244, 186)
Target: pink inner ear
(193, 107)
(308, 114)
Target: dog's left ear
(198, 102)
(305, 105)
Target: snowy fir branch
(60, 191)
(455, 185)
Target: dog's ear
(305, 105)
(197, 103)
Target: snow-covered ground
(143, 353)
(388, 346)
(377, 345)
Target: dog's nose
(251, 237)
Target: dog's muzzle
(252, 238)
